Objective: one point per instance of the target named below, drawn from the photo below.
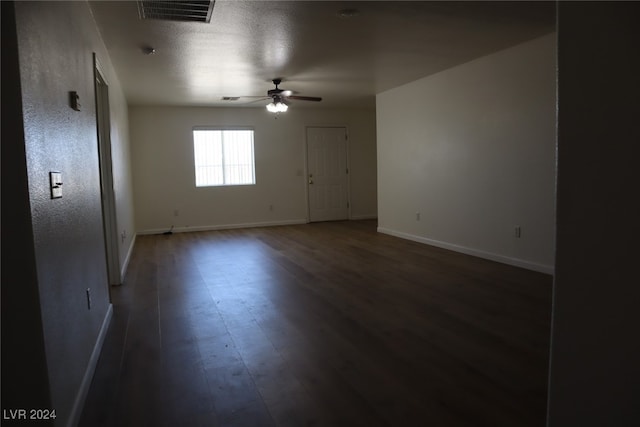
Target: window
(223, 157)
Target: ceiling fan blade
(261, 98)
(279, 92)
(244, 100)
(235, 98)
(305, 98)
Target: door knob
(310, 178)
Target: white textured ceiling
(316, 52)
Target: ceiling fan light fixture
(277, 107)
(348, 13)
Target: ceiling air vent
(189, 10)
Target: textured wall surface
(56, 42)
(24, 375)
(472, 149)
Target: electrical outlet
(271, 208)
(518, 232)
(176, 212)
(417, 216)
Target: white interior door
(327, 169)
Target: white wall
(121, 168)
(56, 42)
(594, 371)
(472, 149)
(163, 171)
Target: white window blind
(223, 157)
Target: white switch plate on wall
(55, 178)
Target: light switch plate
(55, 179)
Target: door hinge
(347, 171)
(348, 204)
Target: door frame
(306, 166)
(107, 193)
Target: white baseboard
(359, 217)
(125, 264)
(81, 396)
(541, 268)
(225, 226)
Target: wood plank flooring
(325, 324)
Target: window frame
(224, 165)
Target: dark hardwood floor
(326, 324)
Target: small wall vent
(189, 10)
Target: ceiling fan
(287, 94)
(280, 97)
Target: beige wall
(472, 149)
(162, 155)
